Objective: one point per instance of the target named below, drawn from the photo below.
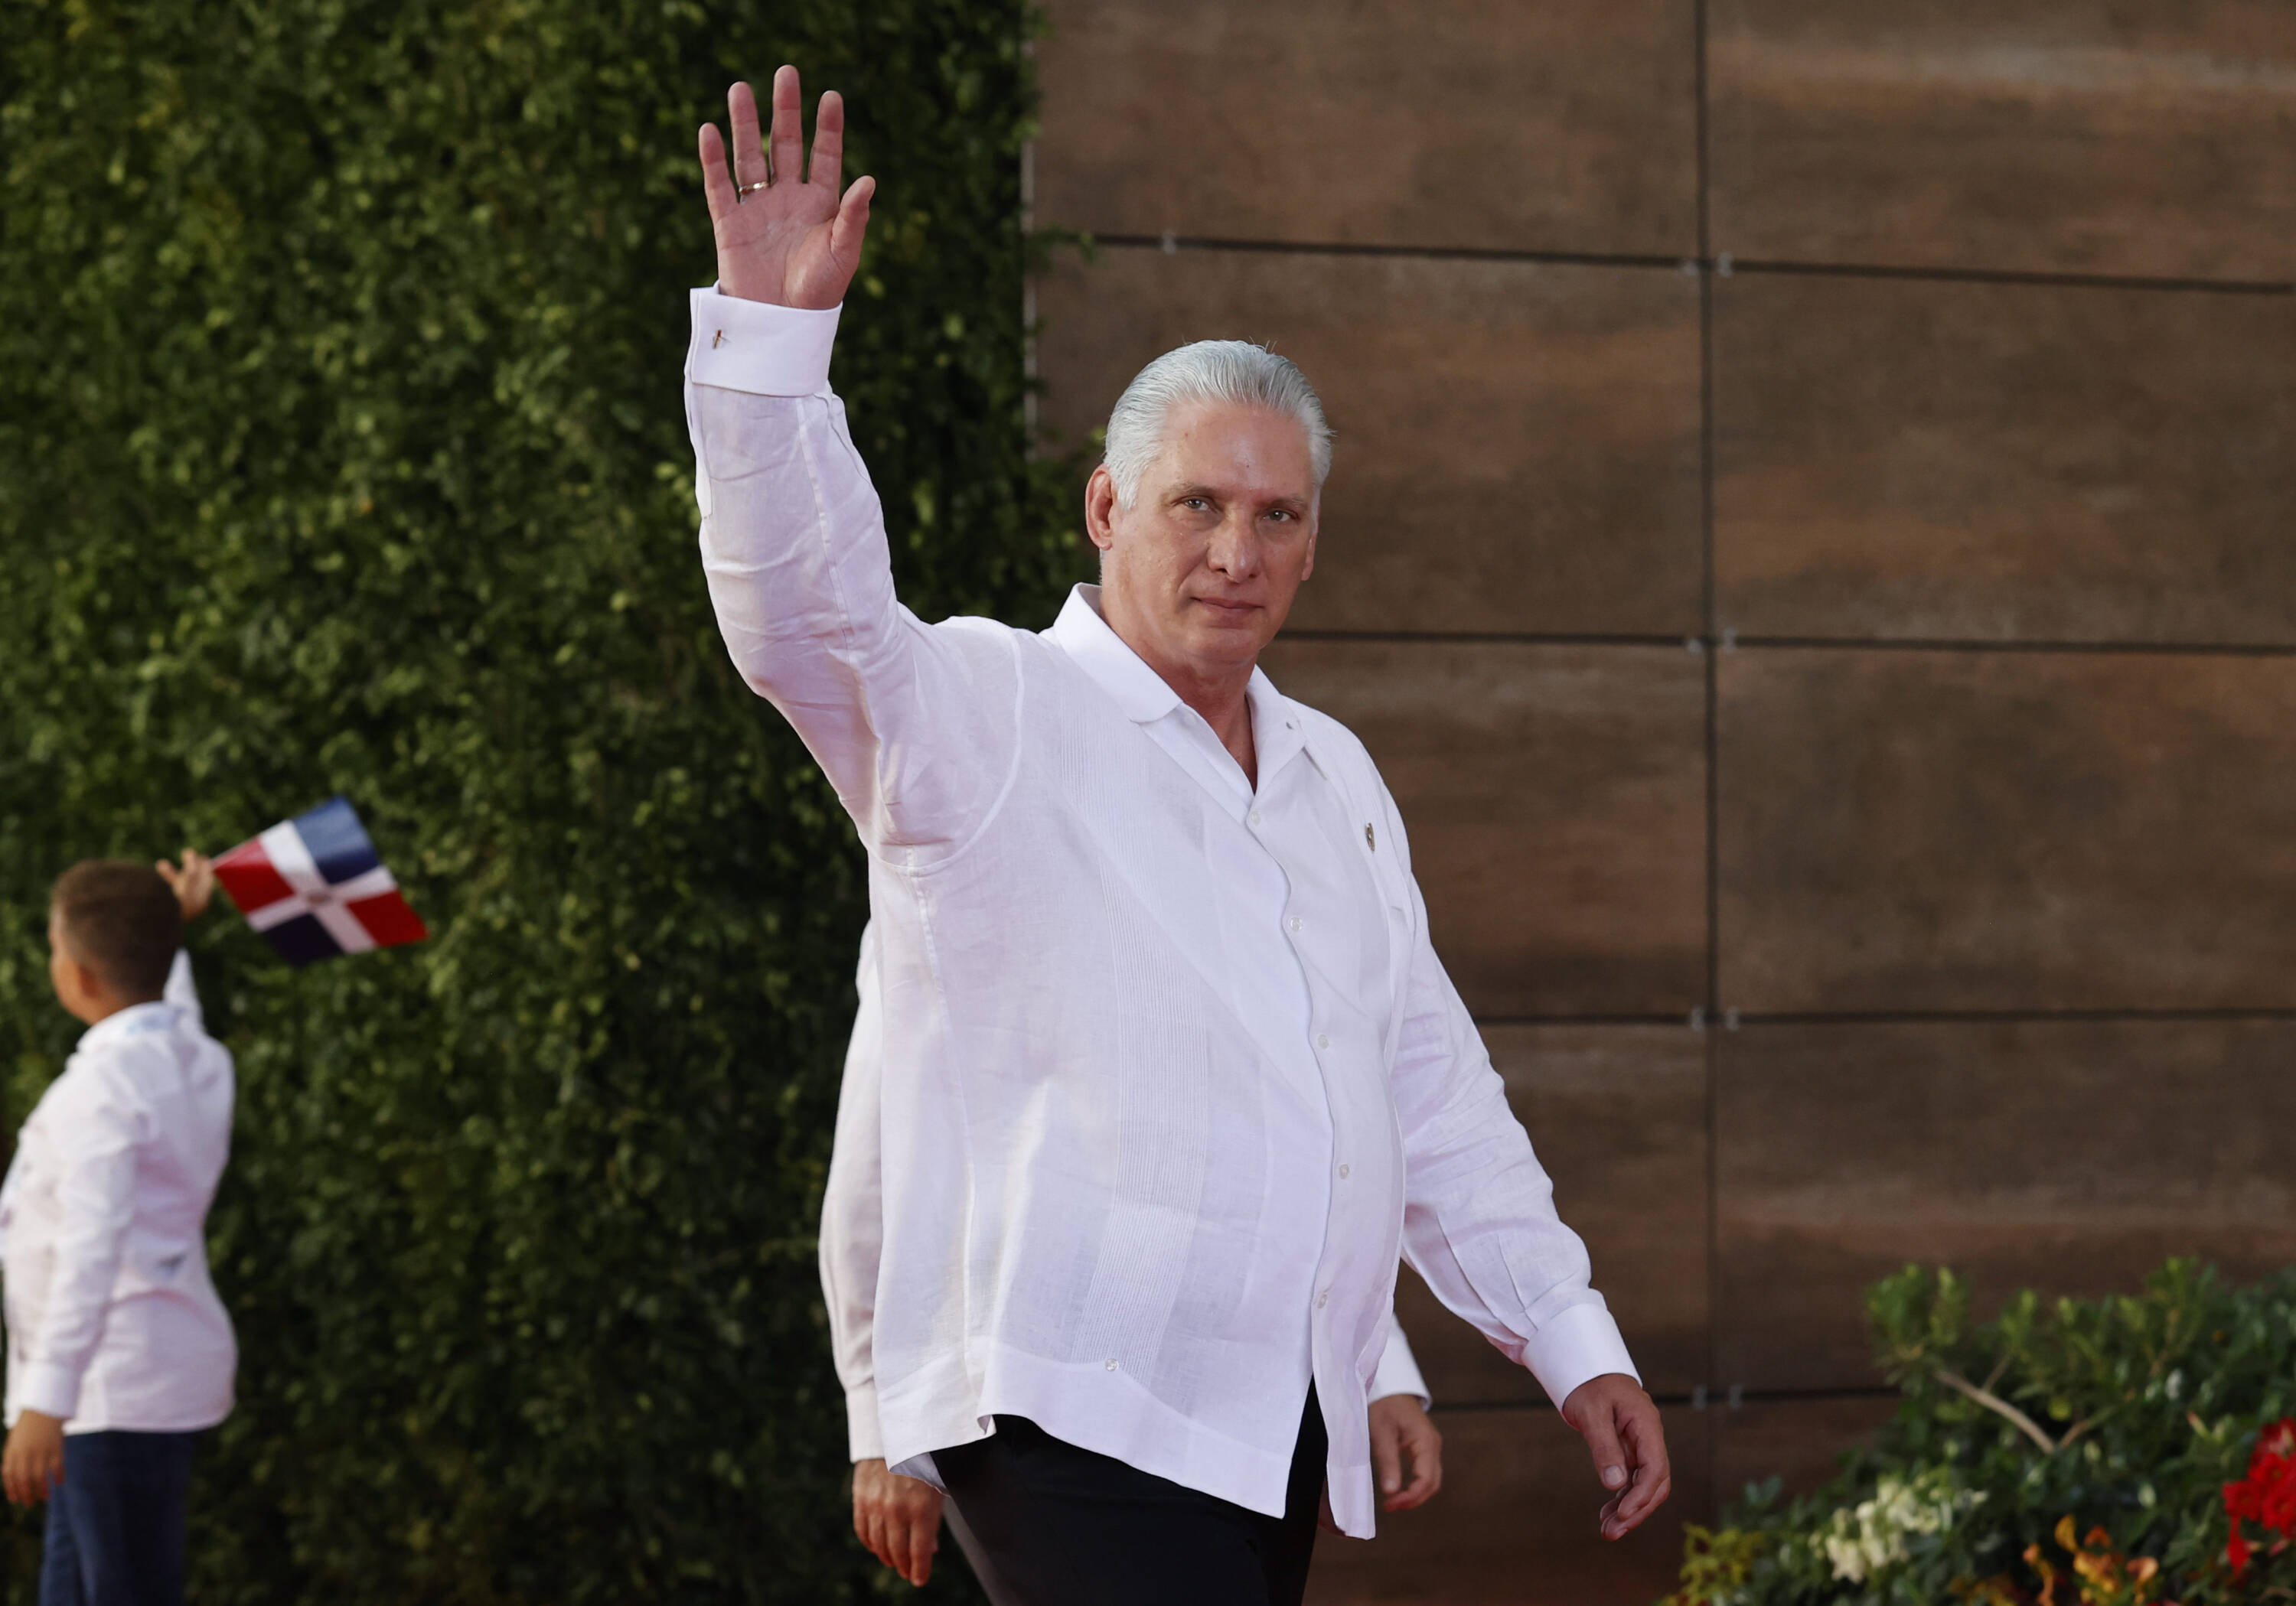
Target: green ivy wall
(341, 449)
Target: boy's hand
(33, 1463)
(194, 883)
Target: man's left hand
(1621, 1429)
(898, 1517)
(1401, 1437)
(34, 1462)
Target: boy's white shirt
(852, 1232)
(113, 1319)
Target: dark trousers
(1064, 1527)
(115, 1535)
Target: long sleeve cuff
(1581, 1343)
(759, 348)
(862, 1436)
(49, 1389)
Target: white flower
(1861, 1540)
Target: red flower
(2266, 1496)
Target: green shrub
(2074, 1453)
(341, 449)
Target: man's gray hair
(1232, 373)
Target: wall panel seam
(1710, 265)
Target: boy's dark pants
(115, 1533)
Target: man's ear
(1100, 508)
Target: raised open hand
(193, 884)
(791, 241)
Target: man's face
(1199, 573)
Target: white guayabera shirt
(853, 1231)
(1171, 1072)
(113, 1321)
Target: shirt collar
(1277, 731)
(133, 1022)
(1081, 633)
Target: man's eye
(1196, 504)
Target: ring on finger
(750, 188)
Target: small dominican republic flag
(316, 888)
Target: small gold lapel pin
(1370, 841)
(716, 340)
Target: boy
(119, 1350)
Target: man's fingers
(789, 128)
(716, 182)
(1602, 1435)
(1651, 1486)
(748, 153)
(914, 1535)
(852, 223)
(1653, 1475)
(1623, 1514)
(828, 143)
(901, 1542)
(871, 1521)
(924, 1539)
(1426, 1449)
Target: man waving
(1171, 1072)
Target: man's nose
(1234, 549)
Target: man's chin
(1236, 645)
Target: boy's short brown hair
(121, 920)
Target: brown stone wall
(1813, 547)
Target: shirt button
(1295, 922)
(1321, 1041)
(1343, 1174)
(1253, 816)
(1112, 1365)
(1322, 1299)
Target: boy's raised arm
(194, 884)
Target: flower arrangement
(2137, 1451)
